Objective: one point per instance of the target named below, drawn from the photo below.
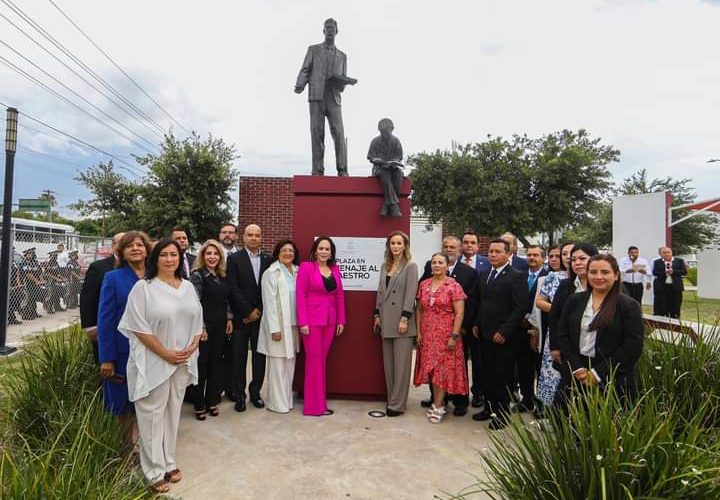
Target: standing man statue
(386, 154)
(324, 68)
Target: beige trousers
(279, 380)
(397, 359)
(158, 417)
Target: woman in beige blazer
(278, 336)
(394, 320)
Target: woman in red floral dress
(439, 314)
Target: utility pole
(10, 148)
(49, 196)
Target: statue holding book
(386, 154)
(324, 69)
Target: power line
(68, 53)
(127, 166)
(78, 95)
(72, 70)
(53, 92)
(117, 66)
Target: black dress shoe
(240, 405)
(482, 416)
(426, 403)
(258, 402)
(498, 423)
(477, 401)
(460, 411)
(392, 413)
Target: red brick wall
(267, 202)
(483, 241)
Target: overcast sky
(643, 75)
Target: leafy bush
(664, 445)
(60, 443)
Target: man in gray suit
(324, 68)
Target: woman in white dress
(163, 322)
(278, 337)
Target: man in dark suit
(502, 298)
(668, 284)
(526, 345)
(472, 258)
(90, 293)
(181, 237)
(244, 272)
(466, 278)
(515, 260)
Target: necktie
(186, 266)
(468, 261)
(531, 280)
(493, 275)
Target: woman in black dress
(208, 277)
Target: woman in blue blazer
(113, 347)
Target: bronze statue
(386, 154)
(324, 68)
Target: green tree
(687, 236)
(523, 185)
(188, 185)
(115, 198)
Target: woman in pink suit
(320, 316)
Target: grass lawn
(708, 310)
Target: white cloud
(641, 74)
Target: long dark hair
(562, 247)
(316, 243)
(589, 249)
(607, 310)
(282, 243)
(152, 264)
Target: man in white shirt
(634, 271)
(470, 256)
(63, 257)
(181, 238)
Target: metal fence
(47, 271)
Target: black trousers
(525, 362)
(244, 337)
(667, 301)
(207, 391)
(634, 290)
(498, 363)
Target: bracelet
(454, 336)
(403, 319)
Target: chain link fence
(47, 270)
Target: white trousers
(158, 417)
(280, 373)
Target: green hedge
(58, 442)
(665, 445)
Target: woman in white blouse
(278, 337)
(163, 322)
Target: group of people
(168, 326)
(163, 320)
(528, 326)
(55, 284)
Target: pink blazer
(315, 306)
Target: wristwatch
(454, 336)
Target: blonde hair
(406, 255)
(200, 261)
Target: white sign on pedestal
(360, 261)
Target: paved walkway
(349, 455)
(18, 334)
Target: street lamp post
(10, 148)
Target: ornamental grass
(665, 444)
(58, 442)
